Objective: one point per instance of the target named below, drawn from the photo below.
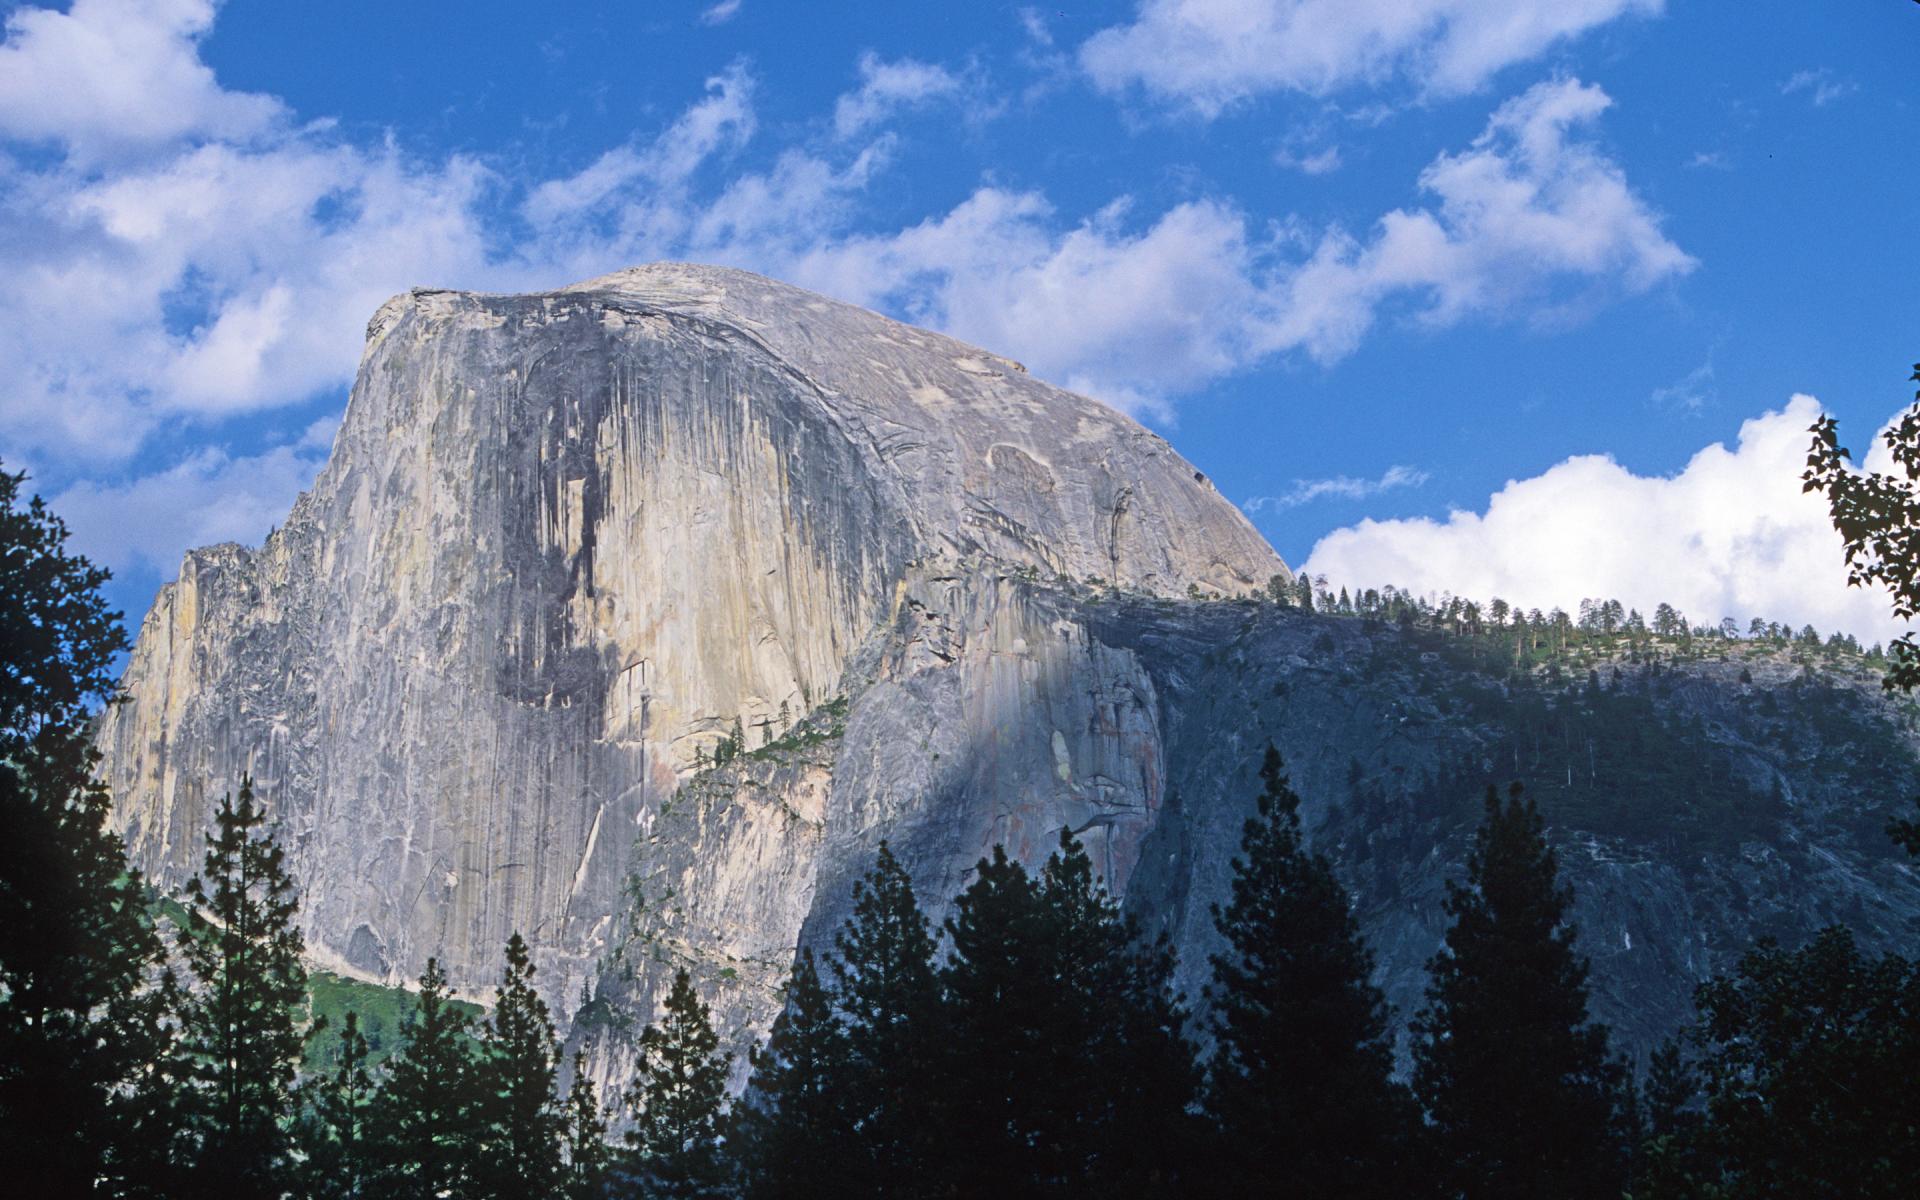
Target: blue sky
(1498, 296)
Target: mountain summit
(571, 545)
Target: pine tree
(424, 1120)
(332, 1132)
(1007, 1110)
(795, 1139)
(1518, 1085)
(1300, 1089)
(1123, 1059)
(584, 1137)
(81, 1012)
(678, 1101)
(239, 1017)
(520, 1120)
(885, 985)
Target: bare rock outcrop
(568, 544)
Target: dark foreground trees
(1518, 1085)
(1807, 1062)
(80, 1007)
(1301, 1085)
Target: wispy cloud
(1821, 86)
(721, 13)
(1208, 55)
(1691, 393)
(1344, 487)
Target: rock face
(565, 546)
(571, 545)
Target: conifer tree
(239, 1016)
(81, 1026)
(886, 988)
(1008, 1113)
(424, 1119)
(1124, 1061)
(584, 1137)
(792, 1129)
(1518, 1084)
(1300, 1088)
(520, 1121)
(678, 1100)
(332, 1133)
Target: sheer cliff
(565, 546)
(570, 548)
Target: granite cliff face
(565, 546)
(569, 544)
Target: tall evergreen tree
(1127, 1068)
(1518, 1084)
(1301, 1091)
(584, 1138)
(1009, 1114)
(424, 1120)
(81, 1025)
(520, 1120)
(240, 1015)
(678, 1101)
(332, 1131)
(885, 985)
(793, 1136)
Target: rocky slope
(570, 545)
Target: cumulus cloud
(116, 76)
(886, 88)
(1730, 535)
(1526, 207)
(1207, 55)
(1344, 487)
(229, 265)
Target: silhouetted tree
(887, 990)
(678, 1101)
(518, 1150)
(240, 1016)
(1808, 1064)
(82, 1034)
(1300, 1083)
(791, 1130)
(1518, 1084)
(1124, 1061)
(425, 1118)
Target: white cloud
(1345, 487)
(1210, 54)
(888, 87)
(231, 270)
(1525, 208)
(207, 498)
(1324, 161)
(1821, 86)
(113, 76)
(1731, 535)
(1691, 393)
(721, 13)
